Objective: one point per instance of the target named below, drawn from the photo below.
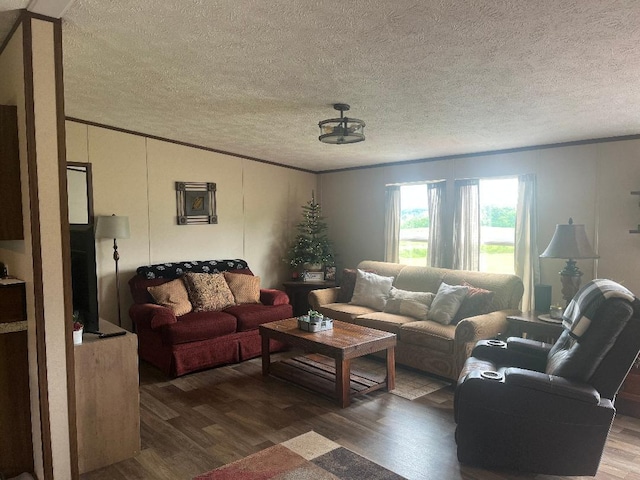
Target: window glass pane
(414, 224)
(498, 203)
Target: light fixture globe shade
(343, 130)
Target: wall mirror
(80, 193)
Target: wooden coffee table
(342, 344)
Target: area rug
(410, 384)
(307, 457)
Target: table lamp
(114, 227)
(569, 241)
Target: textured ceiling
(430, 78)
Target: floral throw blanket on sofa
(177, 269)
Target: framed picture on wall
(196, 202)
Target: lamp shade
(569, 241)
(113, 226)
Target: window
(414, 224)
(498, 203)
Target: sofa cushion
(477, 302)
(196, 326)
(139, 288)
(412, 304)
(345, 312)
(172, 295)
(371, 290)
(347, 284)
(208, 291)
(429, 334)
(388, 322)
(249, 316)
(245, 288)
(447, 303)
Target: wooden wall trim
(66, 247)
(36, 245)
(11, 32)
(489, 152)
(186, 144)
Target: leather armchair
(534, 407)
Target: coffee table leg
(391, 368)
(343, 381)
(266, 355)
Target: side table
(527, 324)
(298, 292)
(107, 398)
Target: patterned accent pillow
(447, 303)
(177, 269)
(477, 302)
(347, 284)
(245, 288)
(371, 290)
(411, 304)
(208, 291)
(172, 295)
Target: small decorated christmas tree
(311, 245)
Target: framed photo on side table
(313, 276)
(330, 273)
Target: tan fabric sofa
(427, 345)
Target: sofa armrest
(481, 327)
(151, 316)
(271, 296)
(323, 296)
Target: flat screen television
(84, 282)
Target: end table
(529, 325)
(298, 291)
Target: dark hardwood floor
(201, 421)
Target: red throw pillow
(477, 302)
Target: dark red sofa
(199, 340)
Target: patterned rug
(410, 384)
(307, 457)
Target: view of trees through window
(414, 224)
(498, 203)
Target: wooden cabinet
(298, 292)
(107, 398)
(16, 448)
(10, 188)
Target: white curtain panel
(392, 224)
(466, 225)
(527, 260)
(436, 193)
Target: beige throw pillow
(371, 290)
(208, 291)
(446, 303)
(411, 304)
(172, 295)
(245, 288)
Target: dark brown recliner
(529, 406)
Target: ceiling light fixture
(339, 131)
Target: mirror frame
(87, 168)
